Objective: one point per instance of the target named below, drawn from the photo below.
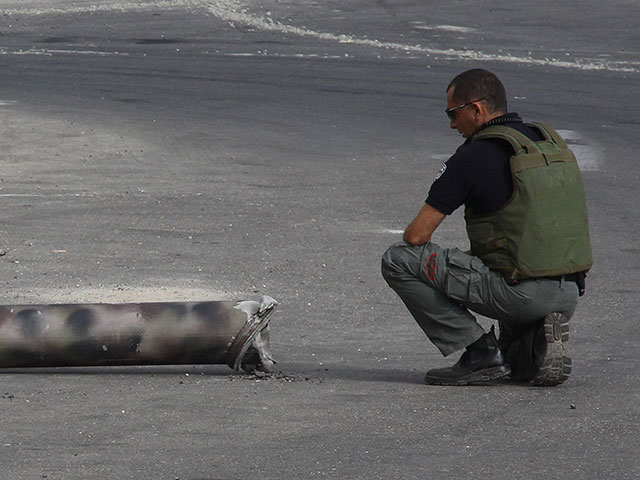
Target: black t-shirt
(478, 175)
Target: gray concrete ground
(187, 150)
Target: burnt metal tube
(231, 333)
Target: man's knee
(398, 260)
(388, 262)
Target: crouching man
(526, 219)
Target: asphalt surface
(191, 150)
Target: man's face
(467, 120)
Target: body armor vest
(542, 230)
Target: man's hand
(422, 227)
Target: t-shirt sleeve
(449, 188)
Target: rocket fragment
(235, 334)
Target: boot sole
(556, 364)
(480, 376)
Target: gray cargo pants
(440, 286)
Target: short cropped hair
(478, 83)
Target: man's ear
(479, 109)
(481, 112)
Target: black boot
(550, 351)
(482, 361)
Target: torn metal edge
(258, 316)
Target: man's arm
(422, 227)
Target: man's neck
(503, 118)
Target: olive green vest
(543, 229)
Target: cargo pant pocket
(464, 277)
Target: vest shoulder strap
(517, 140)
(520, 141)
(549, 133)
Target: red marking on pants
(431, 266)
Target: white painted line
(446, 28)
(29, 195)
(279, 55)
(235, 11)
(112, 7)
(51, 52)
(585, 154)
(391, 230)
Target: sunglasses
(449, 111)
